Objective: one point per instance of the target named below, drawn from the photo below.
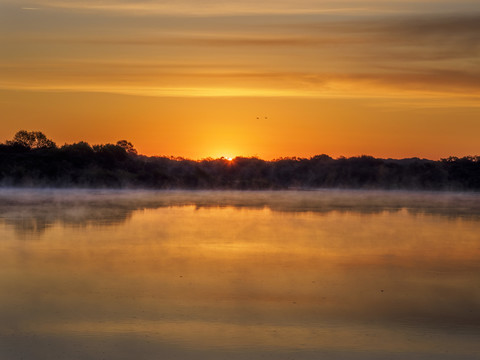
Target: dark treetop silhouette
(31, 159)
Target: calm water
(239, 275)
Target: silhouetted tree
(32, 140)
(128, 146)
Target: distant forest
(30, 159)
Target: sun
(227, 156)
(224, 154)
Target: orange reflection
(250, 277)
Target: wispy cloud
(148, 79)
(276, 55)
(211, 7)
(219, 7)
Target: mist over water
(36, 209)
(91, 274)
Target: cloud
(210, 7)
(149, 79)
(457, 35)
(219, 7)
(295, 55)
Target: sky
(197, 79)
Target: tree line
(31, 159)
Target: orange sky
(225, 78)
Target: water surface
(90, 274)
